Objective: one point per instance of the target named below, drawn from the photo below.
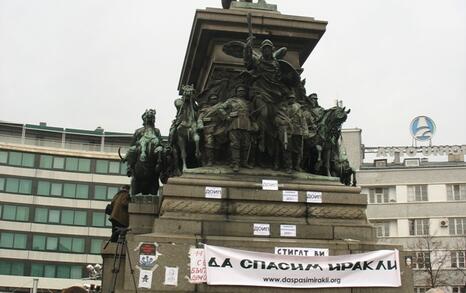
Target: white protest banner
(314, 196)
(288, 230)
(298, 251)
(269, 184)
(261, 229)
(290, 195)
(226, 266)
(197, 266)
(213, 192)
(145, 279)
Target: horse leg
(196, 142)
(182, 146)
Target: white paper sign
(314, 196)
(171, 276)
(262, 229)
(290, 195)
(213, 192)
(145, 279)
(227, 266)
(269, 184)
(288, 230)
(298, 251)
(197, 264)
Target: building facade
(417, 198)
(54, 186)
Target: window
(378, 195)
(101, 166)
(417, 193)
(3, 157)
(65, 217)
(56, 271)
(52, 243)
(15, 185)
(421, 289)
(460, 289)
(418, 227)
(382, 229)
(58, 163)
(45, 162)
(457, 259)
(457, 226)
(11, 268)
(98, 219)
(37, 270)
(96, 246)
(109, 167)
(2, 184)
(38, 242)
(21, 159)
(13, 240)
(71, 164)
(15, 213)
(456, 192)
(69, 190)
(422, 260)
(102, 192)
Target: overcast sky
(89, 63)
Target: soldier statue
(208, 122)
(237, 111)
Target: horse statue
(184, 130)
(144, 157)
(328, 134)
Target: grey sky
(89, 63)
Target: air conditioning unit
(443, 223)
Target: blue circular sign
(422, 128)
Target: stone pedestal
(187, 218)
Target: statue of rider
(142, 138)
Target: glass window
(37, 270)
(98, 219)
(100, 192)
(457, 226)
(2, 184)
(3, 157)
(28, 160)
(123, 168)
(80, 218)
(58, 163)
(76, 272)
(419, 227)
(5, 267)
(78, 245)
(71, 164)
(43, 188)
(101, 166)
(20, 241)
(45, 162)
(6, 240)
(55, 189)
(17, 269)
(22, 214)
(38, 242)
(54, 216)
(25, 186)
(49, 271)
(82, 191)
(417, 193)
(14, 159)
(456, 192)
(65, 244)
(52, 243)
(96, 246)
(41, 215)
(69, 190)
(12, 185)
(9, 212)
(111, 191)
(114, 167)
(84, 165)
(63, 271)
(67, 217)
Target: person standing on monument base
(236, 109)
(119, 216)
